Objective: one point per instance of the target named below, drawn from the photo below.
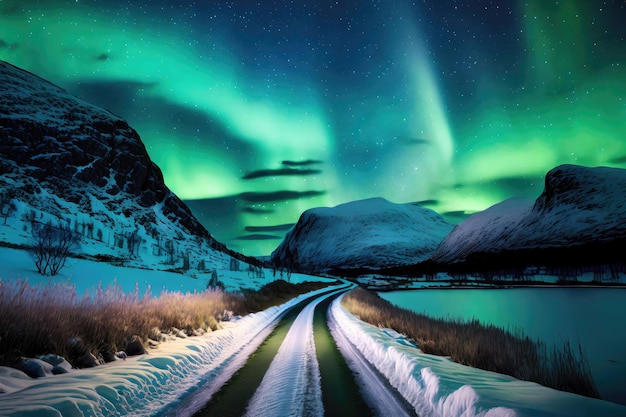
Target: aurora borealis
(258, 110)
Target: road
(306, 367)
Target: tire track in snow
(232, 398)
(291, 386)
(384, 399)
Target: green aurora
(462, 104)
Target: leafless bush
(51, 246)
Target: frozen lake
(595, 317)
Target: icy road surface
(394, 377)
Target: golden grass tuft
(36, 320)
(481, 346)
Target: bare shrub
(481, 346)
(51, 246)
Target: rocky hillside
(579, 217)
(68, 162)
(373, 234)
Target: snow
(371, 233)
(437, 387)
(291, 385)
(163, 382)
(166, 381)
(578, 205)
(378, 394)
(86, 275)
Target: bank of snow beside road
(438, 387)
(159, 383)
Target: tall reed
(481, 346)
(40, 319)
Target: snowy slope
(70, 163)
(579, 206)
(373, 233)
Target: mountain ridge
(372, 233)
(64, 160)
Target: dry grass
(37, 320)
(486, 347)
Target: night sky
(258, 110)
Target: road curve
(291, 385)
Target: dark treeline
(605, 260)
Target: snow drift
(438, 387)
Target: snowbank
(438, 387)
(165, 380)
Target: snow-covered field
(436, 386)
(86, 275)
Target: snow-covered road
(291, 385)
(393, 376)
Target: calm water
(595, 317)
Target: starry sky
(258, 110)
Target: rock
(79, 355)
(135, 346)
(59, 364)
(86, 361)
(155, 334)
(35, 368)
(106, 353)
(57, 370)
(75, 348)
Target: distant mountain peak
(372, 233)
(579, 207)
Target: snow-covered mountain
(373, 233)
(580, 211)
(68, 162)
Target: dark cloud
(458, 214)
(302, 163)
(618, 160)
(428, 202)
(255, 210)
(279, 172)
(526, 186)
(12, 7)
(277, 228)
(258, 197)
(102, 57)
(10, 46)
(258, 237)
(116, 96)
(455, 217)
(125, 98)
(414, 141)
